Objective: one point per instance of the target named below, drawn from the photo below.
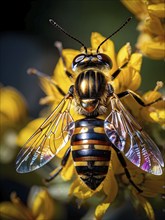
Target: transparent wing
(127, 136)
(48, 140)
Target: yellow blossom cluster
(129, 78)
(151, 16)
(40, 206)
(13, 114)
(13, 107)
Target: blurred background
(27, 40)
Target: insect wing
(51, 137)
(127, 136)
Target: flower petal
(151, 13)
(59, 75)
(153, 185)
(129, 77)
(153, 25)
(110, 188)
(136, 61)
(158, 116)
(146, 205)
(41, 203)
(137, 7)
(53, 94)
(68, 170)
(155, 112)
(151, 47)
(100, 210)
(151, 96)
(107, 48)
(80, 190)
(157, 9)
(15, 209)
(124, 54)
(10, 211)
(11, 99)
(117, 168)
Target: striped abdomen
(90, 151)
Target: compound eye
(78, 62)
(78, 58)
(105, 59)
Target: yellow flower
(40, 206)
(13, 107)
(129, 78)
(151, 185)
(155, 112)
(59, 78)
(58, 86)
(151, 15)
(13, 113)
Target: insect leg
(57, 170)
(117, 72)
(58, 45)
(137, 98)
(124, 165)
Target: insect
(91, 138)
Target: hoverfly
(91, 138)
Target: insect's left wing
(127, 136)
(48, 140)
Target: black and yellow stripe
(91, 151)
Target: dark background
(27, 40)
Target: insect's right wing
(127, 136)
(51, 137)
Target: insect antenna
(114, 33)
(65, 32)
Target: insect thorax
(91, 92)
